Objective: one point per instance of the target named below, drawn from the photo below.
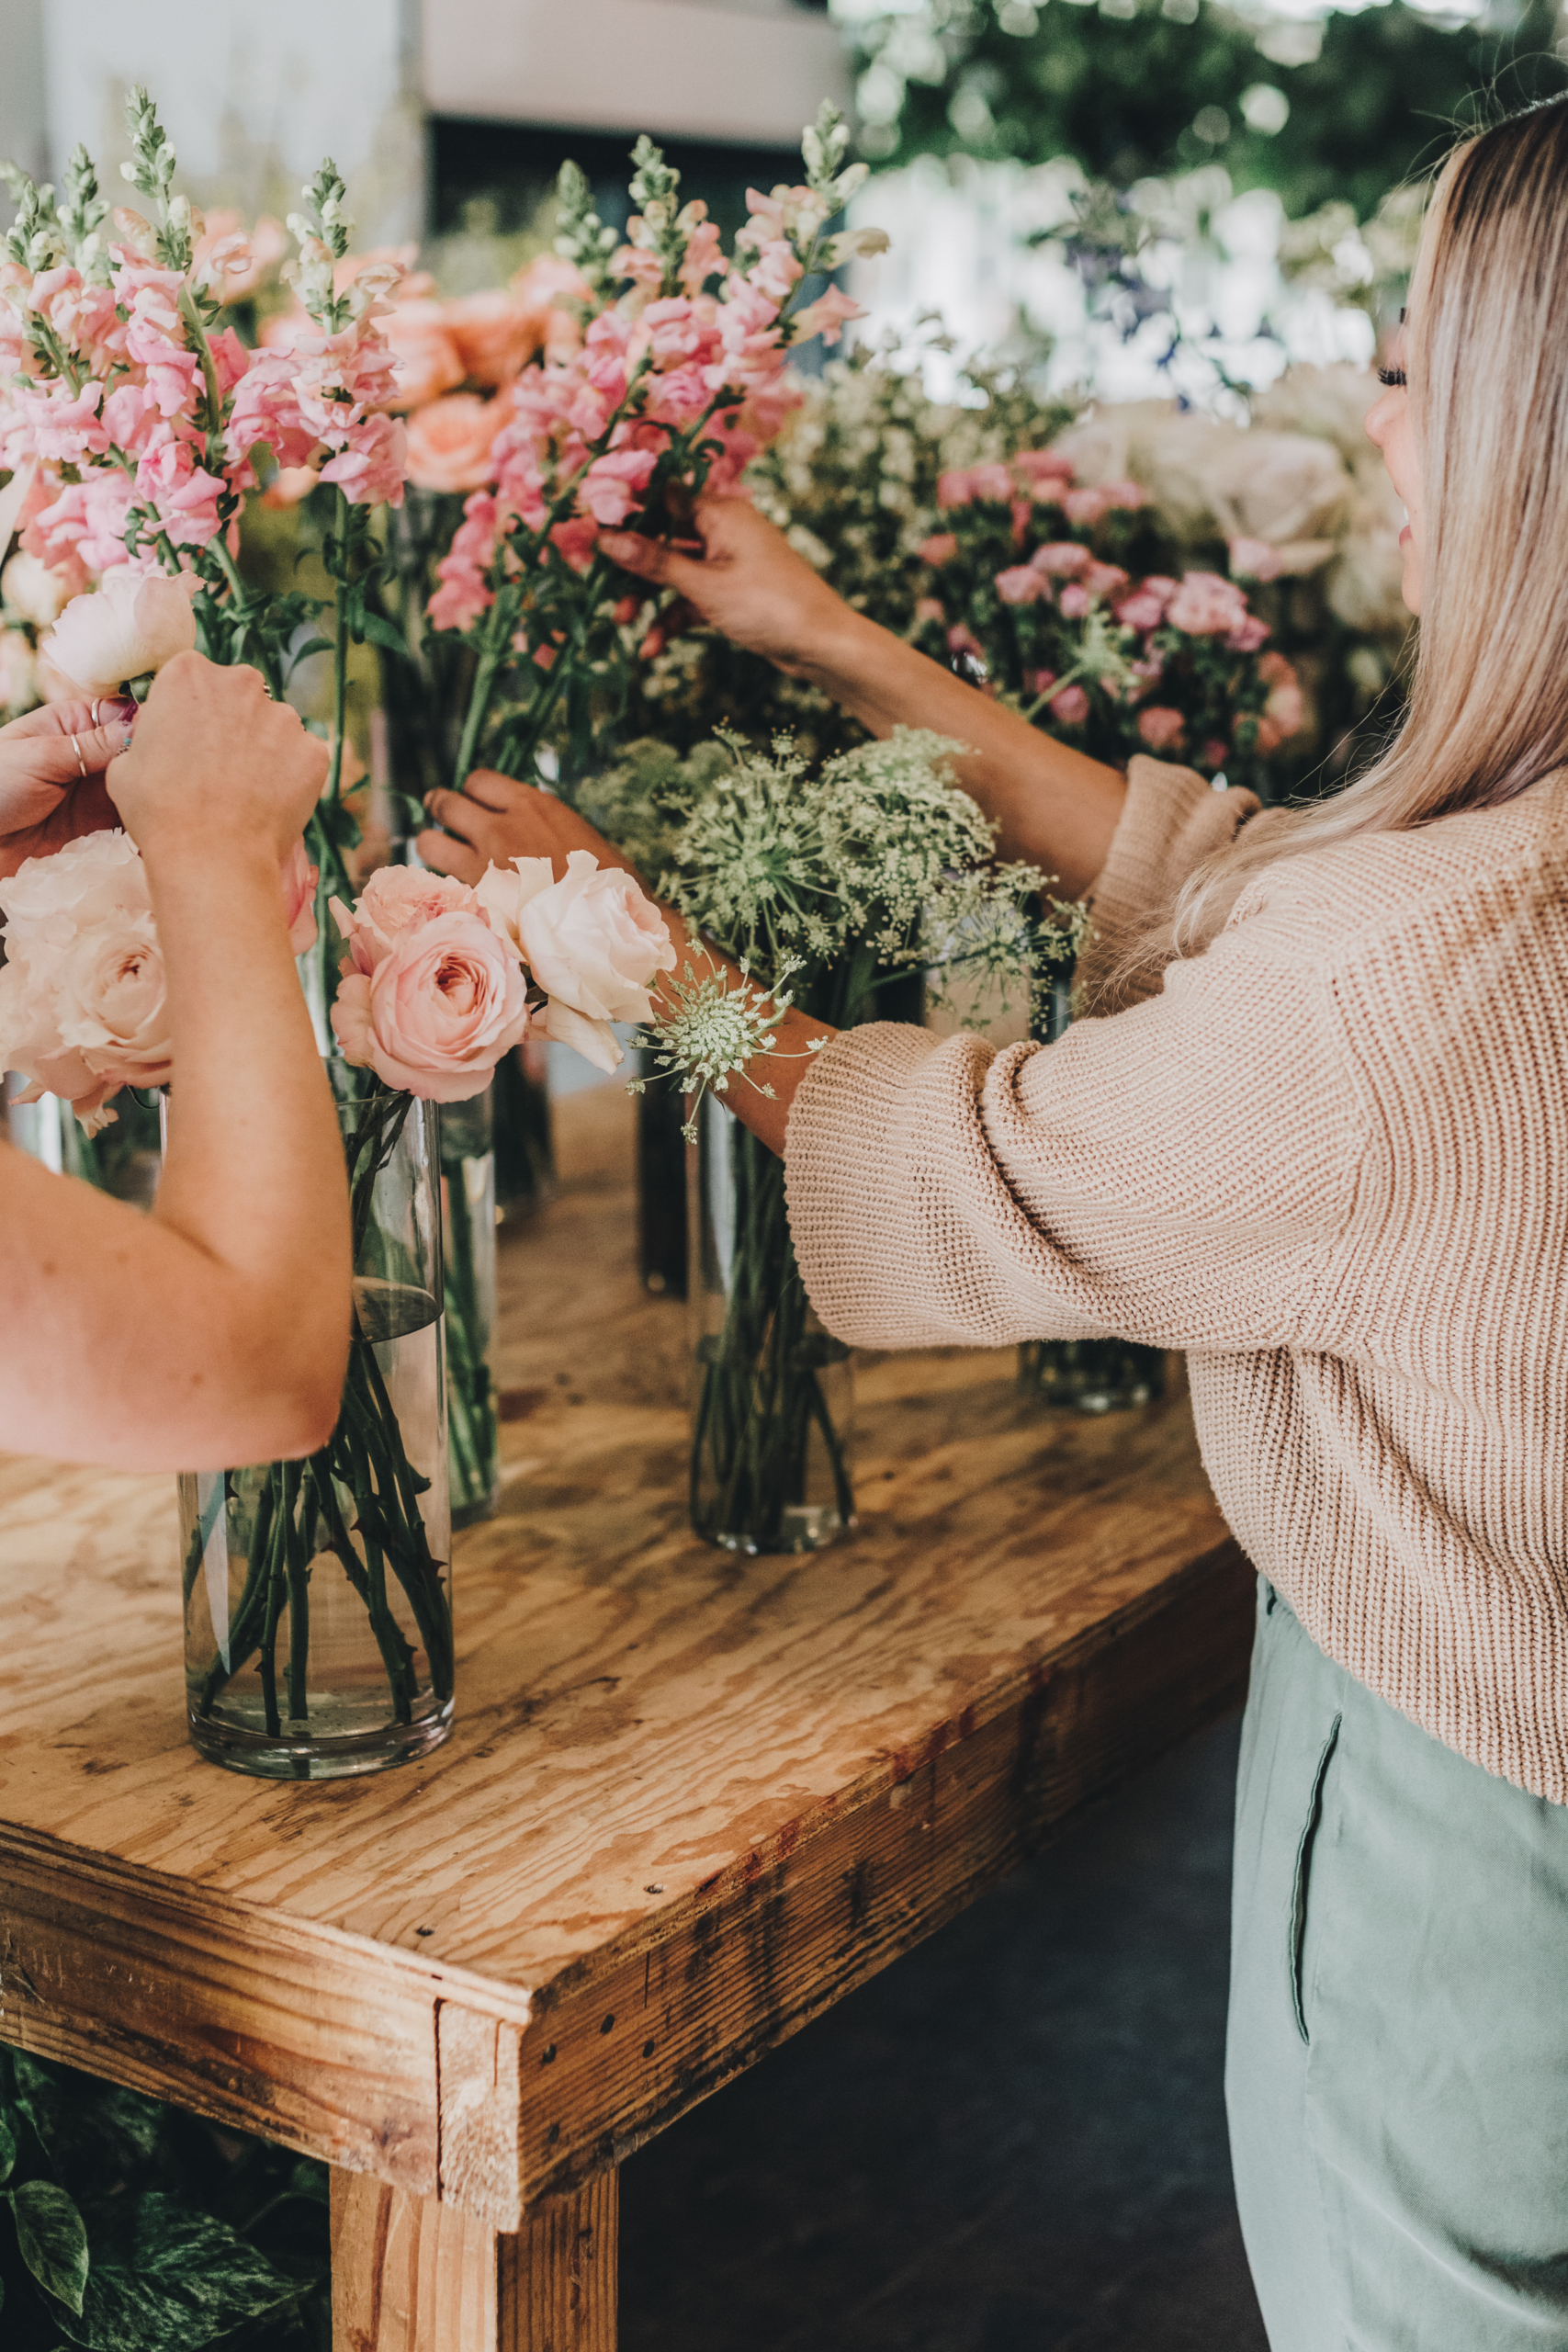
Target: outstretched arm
(216, 1331)
(1055, 807)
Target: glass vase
(661, 1115)
(122, 1160)
(1090, 1375)
(316, 1592)
(467, 1228)
(772, 1394)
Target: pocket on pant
(1300, 1878)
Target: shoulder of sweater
(1332, 902)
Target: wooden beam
(411, 2275)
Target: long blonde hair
(1488, 360)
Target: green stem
(343, 519)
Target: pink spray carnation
(1160, 728)
(1022, 586)
(1062, 559)
(1206, 606)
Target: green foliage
(1143, 91)
(129, 2227)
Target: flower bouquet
(329, 1577)
(826, 885)
(1035, 590)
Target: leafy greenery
(1156, 87)
(127, 2226)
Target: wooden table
(691, 1799)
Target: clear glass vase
(467, 1226)
(773, 1395)
(318, 1592)
(523, 1134)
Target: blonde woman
(1326, 1150)
(217, 1328)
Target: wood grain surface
(421, 2276)
(691, 1797)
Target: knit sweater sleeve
(1172, 820)
(1178, 1174)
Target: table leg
(411, 2275)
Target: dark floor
(1012, 2141)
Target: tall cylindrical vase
(1090, 1375)
(467, 1226)
(772, 1394)
(316, 1592)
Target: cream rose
(592, 941)
(440, 1008)
(132, 623)
(32, 589)
(449, 442)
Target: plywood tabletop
(650, 1735)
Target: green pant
(1396, 2072)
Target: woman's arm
(1053, 806)
(216, 1331)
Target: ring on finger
(81, 763)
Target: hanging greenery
(1345, 111)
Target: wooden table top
(690, 1797)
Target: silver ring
(94, 711)
(80, 761)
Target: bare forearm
(254, 1176)
(1055, 807)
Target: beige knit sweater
(1328, 1157)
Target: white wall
(253, 94)
(741, 69)
(22, 137)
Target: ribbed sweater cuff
(1171, 820)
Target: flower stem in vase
(770, 1454)
(319, 1638)
(467, 1228)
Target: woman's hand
(51, 776)
(748, 582)
(215, 761)
(494, 820)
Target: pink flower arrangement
(672, 377)
(436, 982)
(82, 1009)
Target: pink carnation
(1070, 707)
(940, 549)
(1140, 610)
(1102, 578)
(1206, 606)
(1023, 585)
(1043, 467)
(1063, 558)
(1160, 728)
(1075, 601)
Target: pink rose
(428, 363)
(1022, 585)
(133, 623)
(437, 1012)
(300, 879)
(450, 440)
(1161, 729)
(1063, 558)
(495, 334)
(1206, 606)
(940, 548)
(396, 900)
